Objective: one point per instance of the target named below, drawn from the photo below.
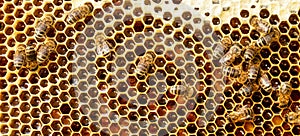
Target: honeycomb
(77, 92)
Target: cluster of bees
(227, 51)
(30, 56)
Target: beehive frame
(77, 92)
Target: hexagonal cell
(23, 84)
(118, 13)
(235, 22)
(25, 118)
(55, 102)
(66, 131)
(65, 109)
(293, 19)
(284, 27)
(264, 13)
(120, 38)
(128, 20)
(274, 19)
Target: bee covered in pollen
(79, 13)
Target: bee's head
(289, 117)
(149, 56)
(226, 40)
(232, 116)
(254, 20)
(49, 19)
(100, 37)
(21, 47)
(90, 6)
(51, 43)
(18, 67)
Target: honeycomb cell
(216, 21)
(284, 27)
(294, 57)
(226, 28)
(9, 8)
(108, 19)
(274, 19)
(284, 52)
(244, 13)
(235, 22)
(128, 20)
(293, 19)
(119, 38)
(264, 13)
(284, 39)
(58, 13)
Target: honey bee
(293, 117)
(265, 83)
(230, 56)
(19, 57)
(183, 90)
(103, 47)
(43, 26)
(144, 64)
(31, 57)
(250, 52)
(264, 41)
(240, 114)
(231, 71)
(253, 72)
(79, 13)
(285, 91)
(221, 48)
(246, 90)
(44, 50)
(261, 25)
